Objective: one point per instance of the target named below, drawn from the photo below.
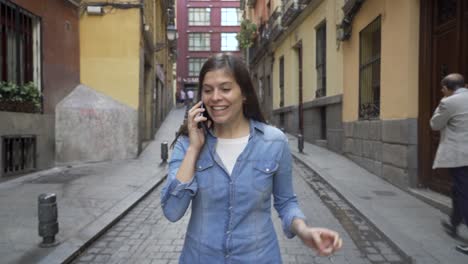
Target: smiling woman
(229, 170)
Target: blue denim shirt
(231, 214)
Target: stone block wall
(386, 148)
(40, 125)
(313, 123)
(92, 127)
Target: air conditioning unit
(94, 10)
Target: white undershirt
(229, 149)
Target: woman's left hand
(323, 240)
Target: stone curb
(395, 237)
(68, 250)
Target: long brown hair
(235, 66)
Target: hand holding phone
(202, 124)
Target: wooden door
(444, 49)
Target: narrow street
(144, 236)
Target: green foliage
(20, 93)
(247, 34)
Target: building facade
(297, 67)
(395, 54)
(381, 62)
(205, 28)
(39, 44)
(127, 73)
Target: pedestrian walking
(451, 119)
(228, 169)
(182, 96)
(190, 97)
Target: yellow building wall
(110, 54)
(327, 12)
(399, 59)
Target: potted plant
(19, 98)
(247, 34)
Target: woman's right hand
(196, 135)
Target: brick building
(205, 28)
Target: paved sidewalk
(411, 224)
(90, 198)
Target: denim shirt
(230, 220)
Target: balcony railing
(291, 10)
(274, 24)
(264, 35)
(369, 110)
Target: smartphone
(202, 124)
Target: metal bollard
(47, 214)
(164, 151)
(300, 143)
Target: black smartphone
(202, 124)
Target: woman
(229, 168)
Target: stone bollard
(300, 143)
(164, 151)
(47, 215)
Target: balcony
(291, 10)
(264, 35)
(253, 52)
(274, 25)
(258, 49)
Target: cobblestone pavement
(144, 236)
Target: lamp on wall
(171, 36)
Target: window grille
(199, 16)
(229, 42)
(369, 70)
(199, 42)
(281, 81)
(18, 154)
(195, 65)
(231, 16)
(18, 43)
(320, 60)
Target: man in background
(451, 119)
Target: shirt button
(228, 232)
(227, 255)
(230, 207)
(267, 169)
(199, 167)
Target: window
(369, 71)
(199, 42)
(229, 42)
(320, 60)
(19, 44)
(199, 16)
(281, 80)
(260, 90)
(195, 65)
(231, 16)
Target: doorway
(443, 50)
